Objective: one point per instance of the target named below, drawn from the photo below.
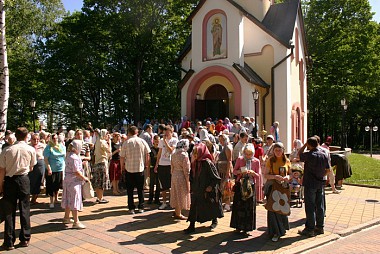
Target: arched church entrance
(215, 103)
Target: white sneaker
(78, 225)
(67, 220)
(163, 206)
(227, 208)
(51, 205)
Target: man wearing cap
(16, 162)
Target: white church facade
(239, 47)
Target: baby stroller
(295, 185)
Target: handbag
(246, 188)
(87, 190)
(278, 198)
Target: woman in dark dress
(206, 197)
(247, 172)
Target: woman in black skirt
(246, 171)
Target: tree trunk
(4, 72)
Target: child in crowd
(153, 176)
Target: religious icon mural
(216, 37)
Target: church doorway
(214, 105)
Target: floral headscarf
(202, 155)
(182, 145)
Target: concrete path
(111, 230)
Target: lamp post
(33, 105)
(370, 128)
(81, 112)
(343, 102)
(255, 95)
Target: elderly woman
(180, 185)
(100, 178)
(72, 185)
(224, 166)
(206, 202)
(247, 171)
(85, 153)
(54, 156)
(37, 174)
(277, 169)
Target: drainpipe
(272, 75)
(263, 101)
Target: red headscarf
(202, 155)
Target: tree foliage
(119, 58)
(343, 42)
(28, 22)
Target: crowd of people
(208, 168)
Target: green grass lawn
(365, 170)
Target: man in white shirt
(15, 163)
(163, 165)
(134, 158)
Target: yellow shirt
(274, 169)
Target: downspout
(263, 101)
(272, 76)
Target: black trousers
(17, 189)
(154, 182)
(135, 180)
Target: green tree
(114, 55)
(344, 45)
(28, 22)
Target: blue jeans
(314, 208)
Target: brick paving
(366, 241)
(111, 230)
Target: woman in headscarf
(72, 185)
(54, 156)
(277, 169)
(180, 184)
(228, 124)
(206, 198)
(247, 171)
(100, 179)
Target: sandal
(181, 217)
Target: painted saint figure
(217, 32)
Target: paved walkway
(366, 241)
(111, 230)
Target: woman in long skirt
(180, 185)
(277, 169)
(72, 185)
(247, 172)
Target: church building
(247, 58)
